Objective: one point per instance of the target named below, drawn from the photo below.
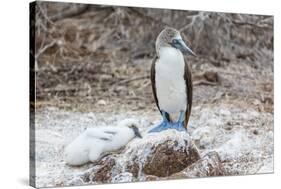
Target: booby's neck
(170, 55)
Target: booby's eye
(174, 41)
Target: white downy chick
(94, 142)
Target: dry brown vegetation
(98, 57)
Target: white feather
(169, 81)
(93, 142)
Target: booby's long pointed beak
(180, 44)
(184, 48)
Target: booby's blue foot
(179, 125)
(163, 126)
(167, 125)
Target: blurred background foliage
(95, 56)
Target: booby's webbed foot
(163, 126)
(179, 126)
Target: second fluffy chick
(93, 142)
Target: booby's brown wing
(152, 78)
(189, 89)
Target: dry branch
(251, 24)
(44, 14)
(204, 82)
(72, 11)
(125, 81)
(42, 50)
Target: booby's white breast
(169, 80)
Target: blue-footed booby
(171, 80)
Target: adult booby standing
(171, 80)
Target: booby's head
(170, 37)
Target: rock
(151, 178)
(155, 155)
(161, 154)
(204, 137)
(165, 160)
(208, 165)
(101, 102)
(102, 171)
(211, 76)
(123, 177)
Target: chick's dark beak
(136, 131)
(180, 44)
(138, 134)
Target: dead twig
(251, 24)
(204, 82)
(42, 50)
(73, 11)
(148, 17)
(125, 81)
(44, 14)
